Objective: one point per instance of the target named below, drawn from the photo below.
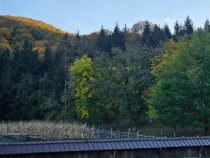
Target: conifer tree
(126, 33)
(146, 39)
(6, 83)
(118, 38)
(167, 32)
(177, 29)
(103, 42)
(188, 26)
(125, 30)
(61, 61)
(77, 35)
(156, 36)
(47, 62)
(207, 26)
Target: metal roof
(94, 145)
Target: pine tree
(207, 26)
(47, 62)
(77, 35)
(103, 42)
(177, 29)
(6, 83)
(146, 39)
(167, 32)
(188, 26)
(26, 67)
(61, 61)
(126, 33)
(125, 30)
(118, 38)
(156, 37)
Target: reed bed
(48, 130)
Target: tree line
(108, 76)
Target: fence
(94, 133)
(111, 134)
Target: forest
(132, 74)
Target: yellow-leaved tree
(82, 74)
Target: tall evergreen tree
(6, 83)
(146, 39)
(26, 68)
(157, 37)
(167, 32)
(78, 35)
(47, 62)
(125, 30)
(177, 29)
(26, 60)
(126, 33)
(61, 61)
(118, 38)
(46, 83)
(207, 26)
(103, 42)
(188, 26)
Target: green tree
(103, 42)
(120, 83)
(188, 26)
(181, 94)
(207, 26)
(157, 37)
(118, 38)
(6, 82)
(61, 61)
(167, 32)
(48, 59)
(27, 99)
(82, 73)
(26, 70)
(146, 39)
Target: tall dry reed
(48, 130)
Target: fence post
(98, 133)
(93, 133)
(129, 132)
(150, 120)
(6, 128)
(174, 131)
(111, 133)
(119, 134)
(137, 134)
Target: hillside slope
(15, 30)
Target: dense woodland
(107, 76)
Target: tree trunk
(174, 131)
(161, 130)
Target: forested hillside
(107, 76)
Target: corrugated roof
(92, 145)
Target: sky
(87, 16)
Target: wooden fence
(111, 134)
(94, 133)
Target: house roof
(100, 145)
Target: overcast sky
(89, 15)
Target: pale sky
(89, 15)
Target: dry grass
(48, 130)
